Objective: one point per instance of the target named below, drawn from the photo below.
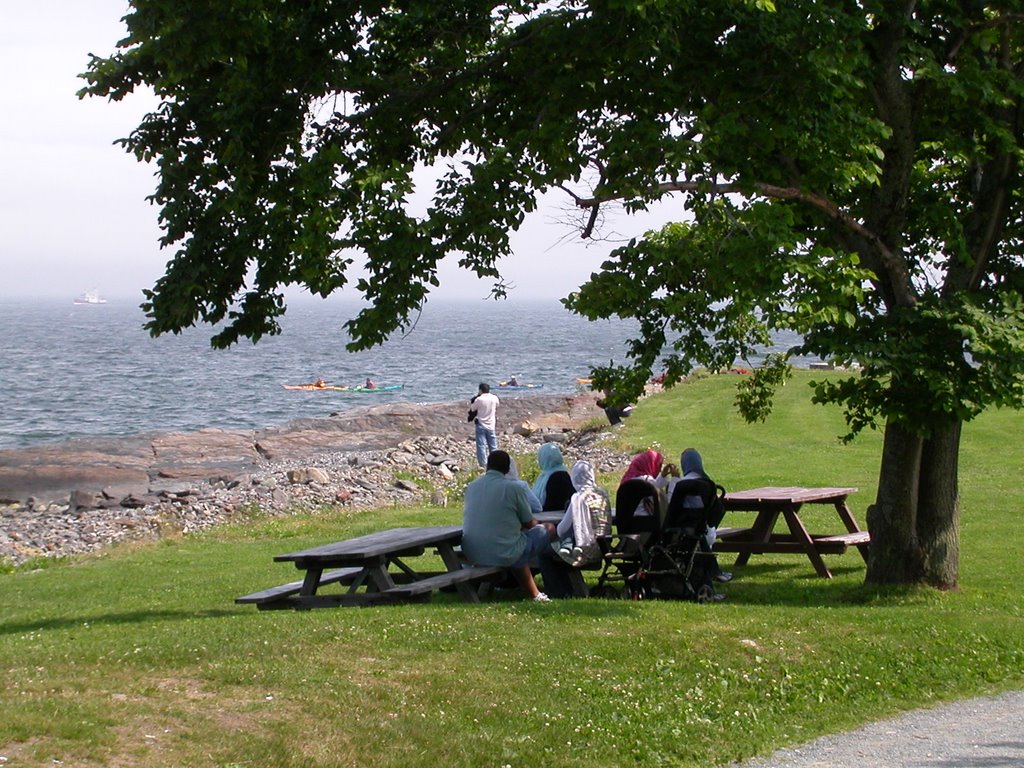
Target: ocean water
(69, 370)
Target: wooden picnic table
(770, 503)
(373, 569)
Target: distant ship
(90, 297)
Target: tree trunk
(938, 507)
(915, 520)
(895, 555)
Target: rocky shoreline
(81, 495)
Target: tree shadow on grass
(793, 585)
(129, 617)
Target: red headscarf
(647, 463)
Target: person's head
(484, 387)
(690, 461)
(549, 456)
(500, 461)
(582, 475)
(646, 464)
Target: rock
(308, 475)
(401, 457)
(406, 485)
(439, 460)
(525, 429)
(82, 500)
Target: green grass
(140, 657)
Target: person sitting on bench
(498, 527)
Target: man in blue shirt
(498, 527)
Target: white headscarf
(589, 512)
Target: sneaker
(541, 598)
(722, 576)
(566, 555)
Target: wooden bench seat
(784, 542)
(727, 533)
(274, 597)
(465, 575)
(854, 539)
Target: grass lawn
(139, 656)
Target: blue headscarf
(691, 462)
(549, 458)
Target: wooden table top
(787, 495)
(377, 544)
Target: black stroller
(623, 551)
(664, 555)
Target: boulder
(308, 475)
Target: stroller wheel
(705, 594)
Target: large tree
(846, 169)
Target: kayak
(505, 385)
(584, 381)
(332, 388)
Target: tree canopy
(848, 170)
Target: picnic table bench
(770, 503)
(364, 566)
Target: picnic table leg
(379, 576)
(796, 527)
(761, 532)
(451, 561)
(851, 525)
(311, 581)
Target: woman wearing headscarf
(553, 486)
(588, 516)
(649, 465)
(693, 469)
(513, 476)
(645, 465)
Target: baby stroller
(670, 560)
(680, 563)
(623, 552)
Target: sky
(73, 213)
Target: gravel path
(977, 733)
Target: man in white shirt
(484, 407)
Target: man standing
(498, 527)
(484, 407)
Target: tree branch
(891, 261)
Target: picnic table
(374, 569)
(772, 502)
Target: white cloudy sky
(73, 214)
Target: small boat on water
(334, 388)
(509, 385)
(90, 297)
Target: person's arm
(521, 504)
(535, 506)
